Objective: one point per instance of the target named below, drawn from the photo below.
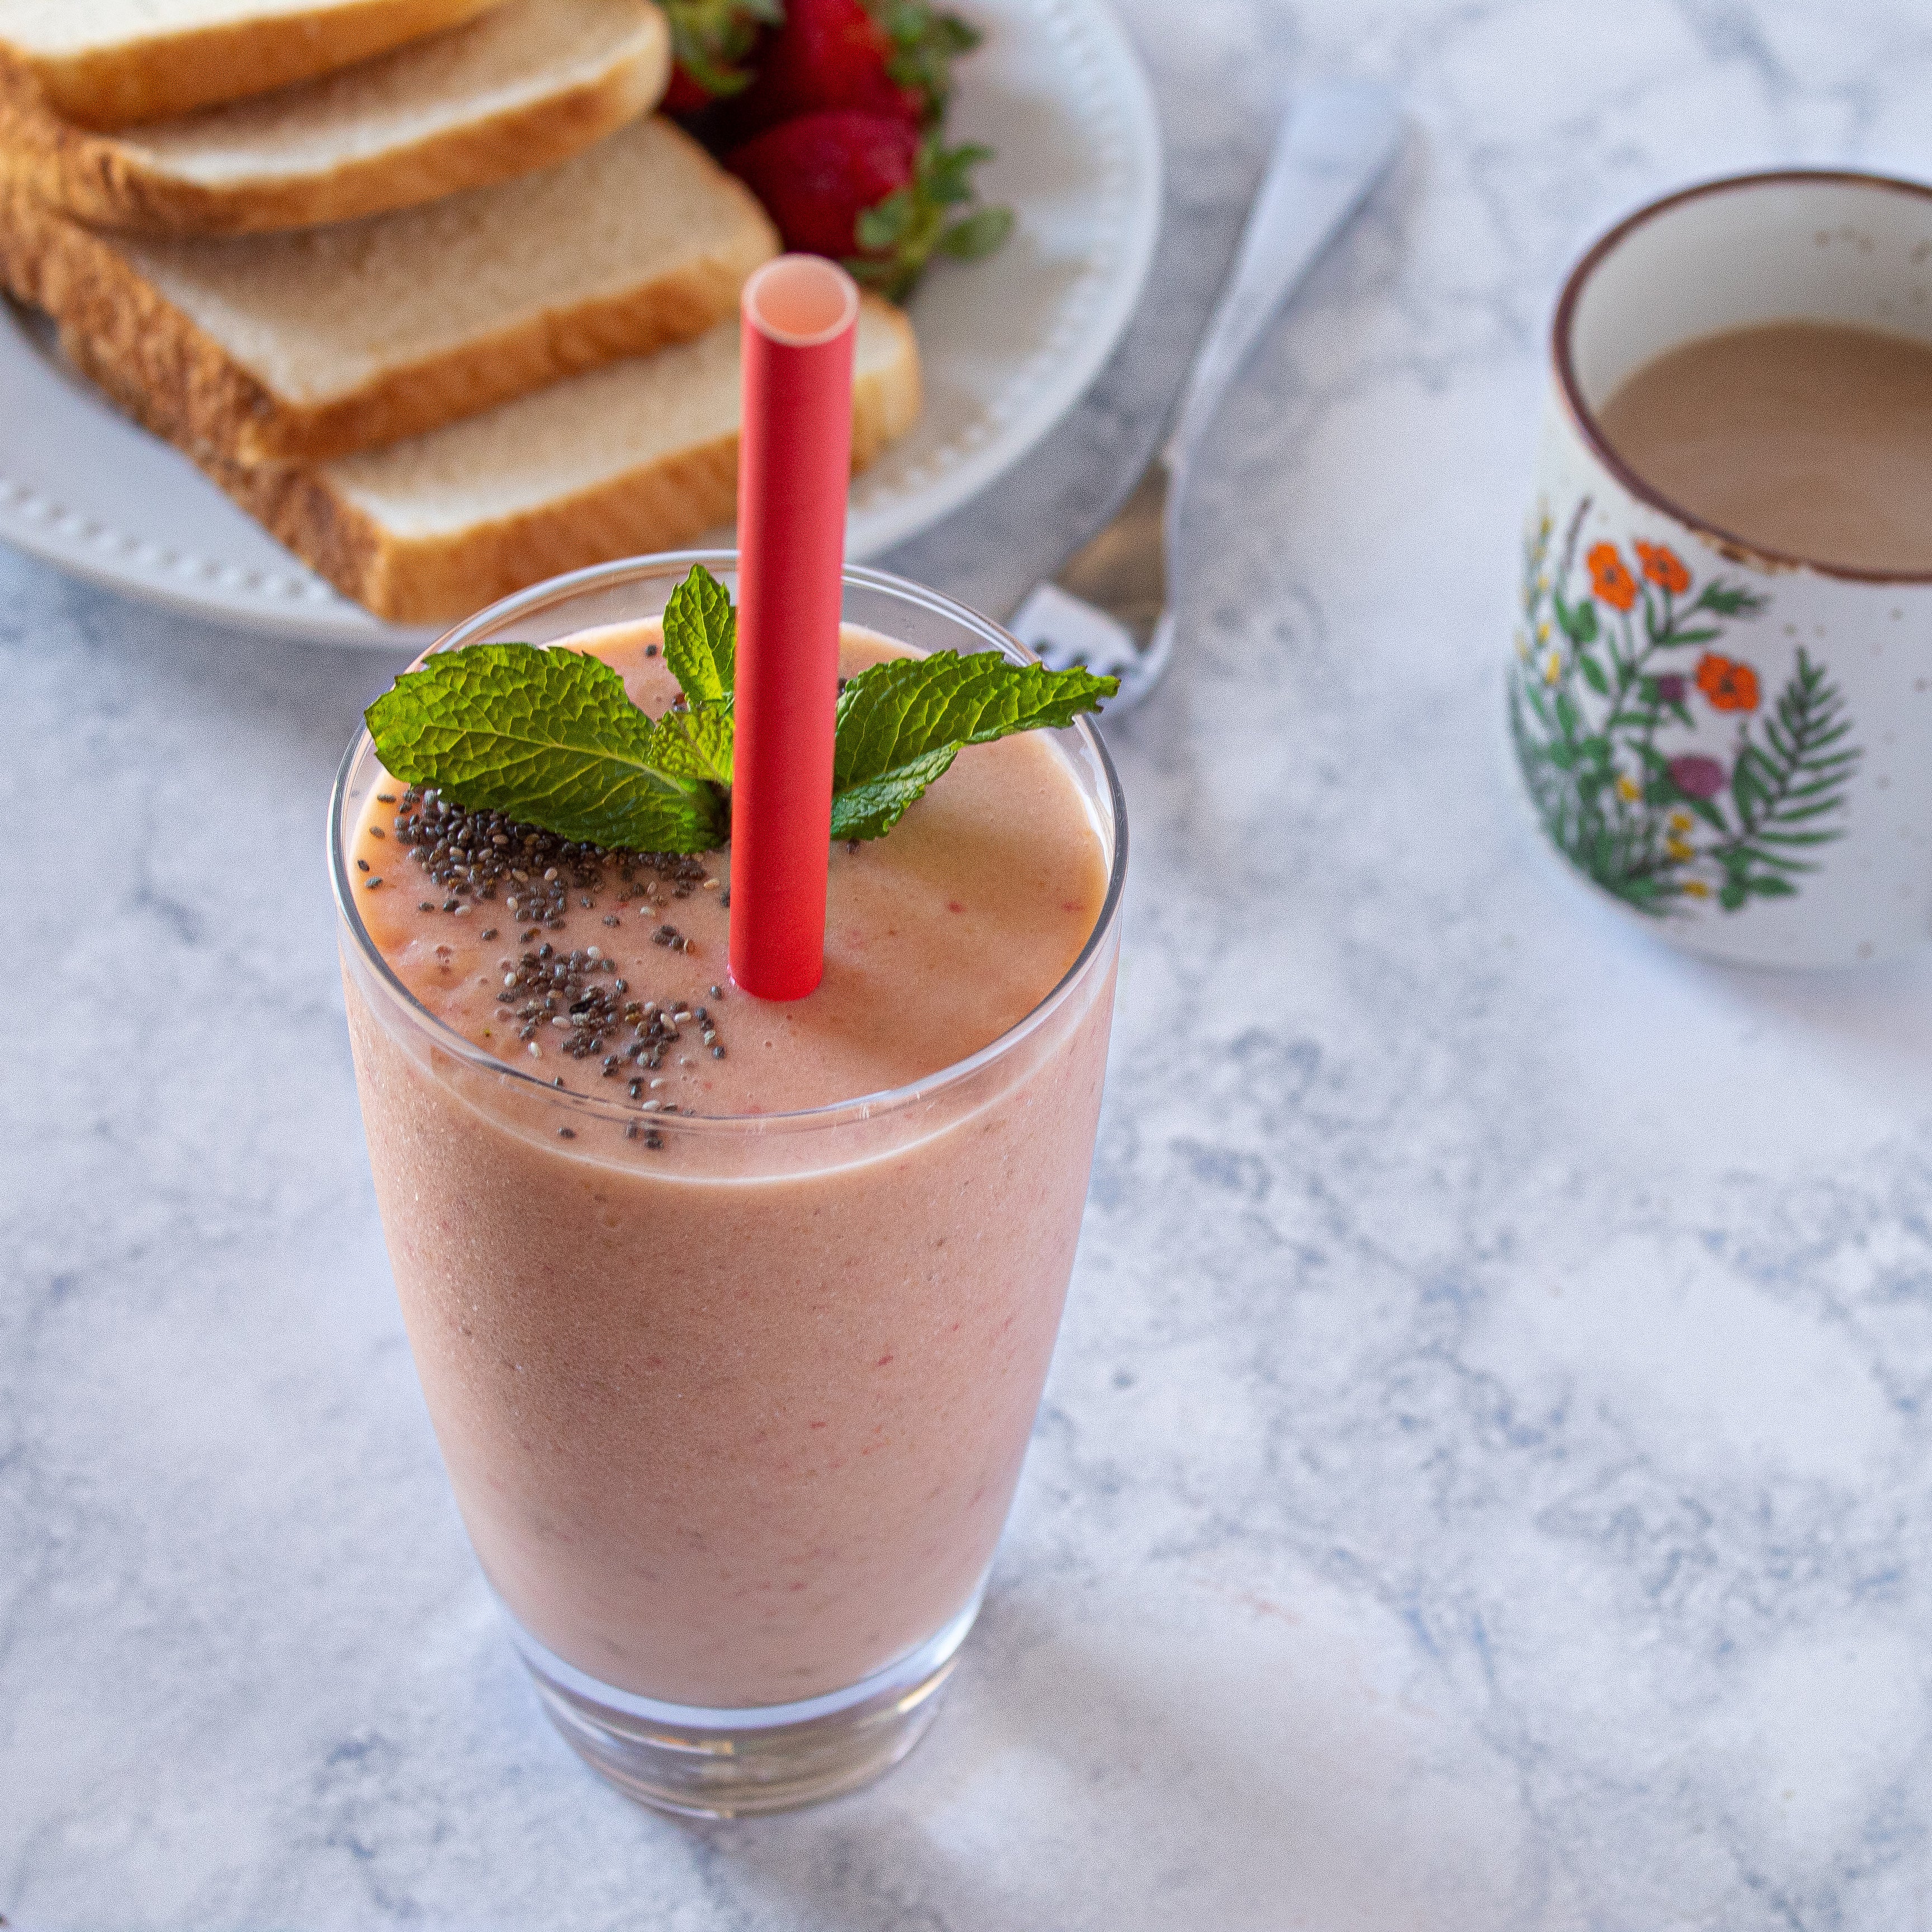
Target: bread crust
(113, 184)
(170, 73)
(441, 578)
(136, 344)
(101, 180)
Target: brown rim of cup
(1739, 550)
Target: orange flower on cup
(1729, 685)
(1610, 578)
(1664, 567)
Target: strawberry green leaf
(880, 229)
(900, 234)
(709, 38)
(978, 235)
(924, 44)
(902, 722)
(549, 737)
(947, 177)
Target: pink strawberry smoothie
(733, 1401)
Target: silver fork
(1108, 606)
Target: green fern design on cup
(1596, 697)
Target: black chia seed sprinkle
(472, 856)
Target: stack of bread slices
(425, 285)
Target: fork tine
(1066, 630)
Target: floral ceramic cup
(1735, 745)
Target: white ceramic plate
(1009, 345)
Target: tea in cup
(1721, 699)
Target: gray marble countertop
(1483, 1483)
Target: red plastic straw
(800, 323)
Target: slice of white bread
(297, 347)
(111, 63)
(641, 455)
(525, 86)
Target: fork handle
(1334, 143)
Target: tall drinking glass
(733, 1411)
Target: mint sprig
(902, 722)
(701, 638)
(551, 739)
(695, 744)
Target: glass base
(735, 1764)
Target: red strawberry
(709, 39)
(818, 174)
(682, 95)
(865, 190)
(828, 53)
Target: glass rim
(1562, 336)
(556, 590)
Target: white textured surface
(1483, 1482)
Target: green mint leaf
(902, 722)
(549, 736)
(870, 810)
(700, 634)
(695, 744)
